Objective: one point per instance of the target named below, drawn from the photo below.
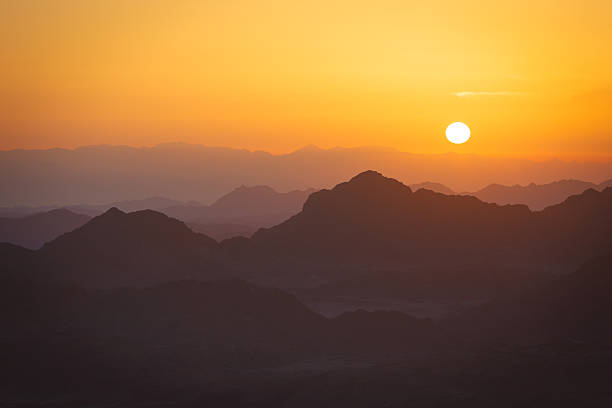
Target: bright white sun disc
(458, 132)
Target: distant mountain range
(536, 197)
(246, 209)
(257, 206)
(374, 222)
(34, 230)
(193, 172)
(367, 224)
(239, 213)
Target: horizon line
(534, 157)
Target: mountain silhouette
(34, 230)
(373, 216)
(169, 326)
(536, 197)
(257, 205)
(238, 213)
(367, 224)
(123, 249)
(374, 222)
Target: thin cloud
(486, 93)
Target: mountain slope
(138, 248)
(34, 230)
(574, 307)
(184, 333)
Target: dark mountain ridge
(373, 222)
(367, 224)
(139, 248)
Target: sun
(458, 133)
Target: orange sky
(530, 78)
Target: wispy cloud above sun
(487, 93)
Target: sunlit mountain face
(305, 204)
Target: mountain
(177, 336)
(256, 206)
(123, 249)
(435, 187)
(367, 224)
(374, 222)
(259, 200)
(34, 230)
(241, 212)
(157, 333)
(373, 218)
(574, 307)
(535, 196)
(232, 343)
(238, 213)
(106, 174)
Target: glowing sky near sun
(528, 77)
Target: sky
(530, 78)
